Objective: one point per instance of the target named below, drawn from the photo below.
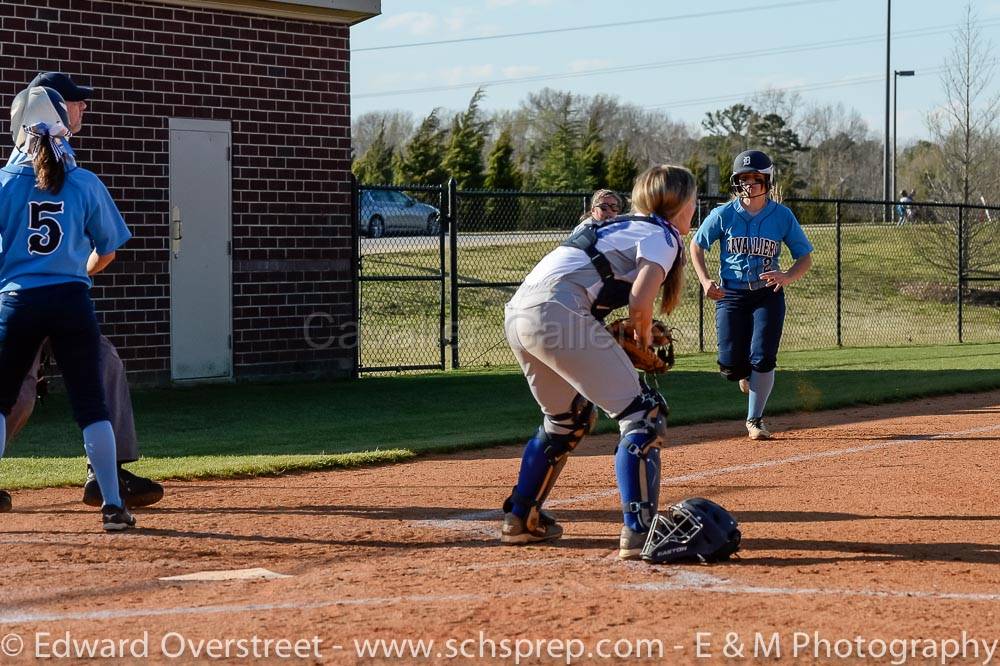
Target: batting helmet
(752, 161)
(37, 111)
(694, 530)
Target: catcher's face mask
(671, 533)
(695, 529)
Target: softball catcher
(750, 303)
(554, 325)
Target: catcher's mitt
(657, 358)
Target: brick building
(224, 124)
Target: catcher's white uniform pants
(563, 350)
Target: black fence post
(840, 342)
(701, 298)
(355, 270)
(453, 243)
(961, 262)
(444, 223)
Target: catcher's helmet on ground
(752, 161)
(693, 530)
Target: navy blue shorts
(65, 314)
(749, 326)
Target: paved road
(390, 244)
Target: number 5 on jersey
(50, 233)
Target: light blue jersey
(46, 239)
(751, 244)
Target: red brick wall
(285, 87)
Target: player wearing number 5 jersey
(750, 302)
(57, 223)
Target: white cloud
(585, 64)
(454, 76)
(391, 80)
(414, 23)
(517, 71)
(458, 20)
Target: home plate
(234, 574)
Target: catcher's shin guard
(637, 461)
(544, 458)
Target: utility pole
(886, 166)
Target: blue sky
(686, 50)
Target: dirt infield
(869, 526)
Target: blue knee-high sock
(3, 434)
(99, 443)
(761, 384)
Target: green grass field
(890, 296)
(253, 429)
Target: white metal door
(200, 250)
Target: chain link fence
(432, 296)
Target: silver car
(386, 211)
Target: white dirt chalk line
(682, 580)
(467, 522)
(16, 617)
(708, 583)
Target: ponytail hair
(664, 189)
(50, 173)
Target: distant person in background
(904, 211)
(604, 205)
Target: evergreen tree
(463, 160)
(772, 135)
(502, 172)
(420, 162)
(561, 166)
(374, 167)
(622, 169)
(593, 157)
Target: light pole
(886, 168)
(895, 89)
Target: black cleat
(136, 491)
(116, 518)
(5, 504)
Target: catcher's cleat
(116, 518)
(515, 532)
(5, 503)
(757, 429)
(745, 386)
(136, 491)
(630, 544)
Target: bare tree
(784, 103)
(965, 129)
(396, 128)
(967, 124)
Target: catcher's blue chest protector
(614, 293)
